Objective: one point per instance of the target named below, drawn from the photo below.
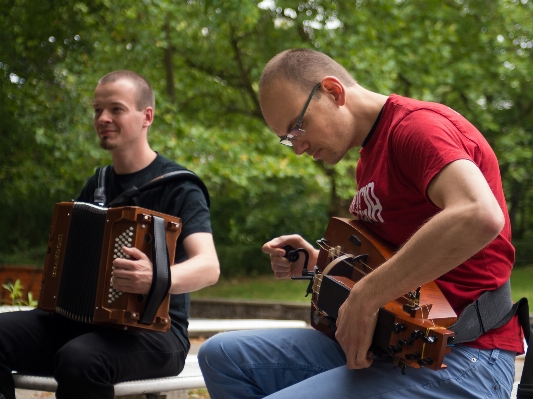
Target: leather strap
(525, 388)
(159, 181)
(161, 272)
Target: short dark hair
(305, 68)
(145, 94)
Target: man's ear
(148, 116)
(335, 88)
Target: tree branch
(169, 64)
(244, 73)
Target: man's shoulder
(188, 181)
(408, 104)
(404, 106)
(165, 165)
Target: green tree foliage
(38, 112)
(204, 59)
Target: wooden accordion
(84, 240)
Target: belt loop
(494, 355)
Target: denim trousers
(85, 359)
(304, 363)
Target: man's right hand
(282, 267)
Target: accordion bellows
(84, 240)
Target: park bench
(158, 388)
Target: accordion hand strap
(161, 268)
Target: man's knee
(215, 351)
(74, 362)
(207, 349)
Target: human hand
(355, 328)
(132, 275)
(282, 267)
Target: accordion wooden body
(84, 240)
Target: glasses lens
(285, 141)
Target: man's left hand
(355, 329)
(133, 275)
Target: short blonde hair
(303, 67)
(145, 94)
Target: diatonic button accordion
(84, 240)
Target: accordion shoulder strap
(99, 192)
(159, 181)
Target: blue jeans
(304, 363)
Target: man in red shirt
(429, 183)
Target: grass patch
(32, 256)
(198, 394)
(270, 289)
(266, 288)
(522, 283)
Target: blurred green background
(204, 58)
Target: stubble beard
(106, 144)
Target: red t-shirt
(412, 142)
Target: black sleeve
(187, 201)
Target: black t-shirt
(183, 199)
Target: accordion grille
(77, 293)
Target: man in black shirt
(86, 359)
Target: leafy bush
(16, 292)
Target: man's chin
(331, 160)
(106, 145)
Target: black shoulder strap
(525, 388)
(99, 193)
(159, 181)
(491, 310)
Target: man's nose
(104, 117)
(299, 147)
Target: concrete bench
(157, 388)
(515, 389)
(208, 327)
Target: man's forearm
(447, 240)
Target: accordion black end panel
(83, 242)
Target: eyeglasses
(297, 129)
